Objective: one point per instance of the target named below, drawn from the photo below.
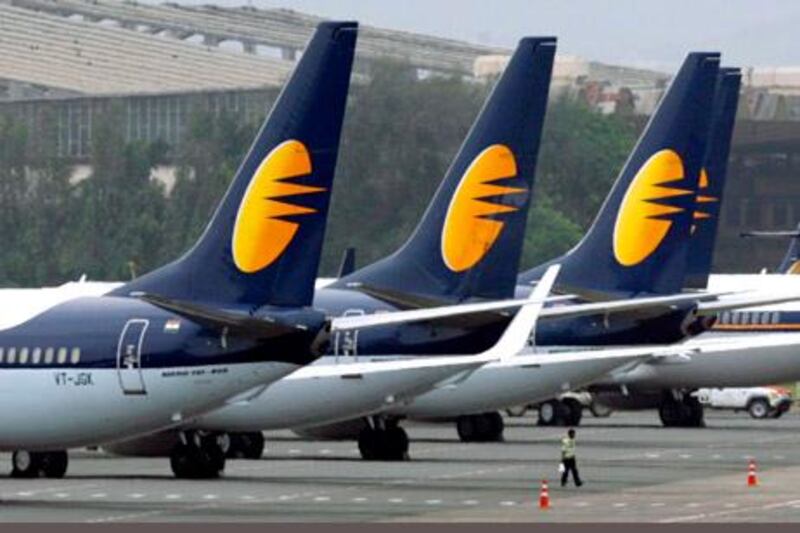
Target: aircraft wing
(437, 313)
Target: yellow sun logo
(646, 216)
(469, 231)
(261, 233)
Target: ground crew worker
(568, 459)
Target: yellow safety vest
(567, 448)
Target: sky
(646, 33)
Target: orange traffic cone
(544, 496)
(752, 480)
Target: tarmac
(634, 470)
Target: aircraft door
(345, 343)
(129, 356)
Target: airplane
(680, 126)
(412, 263)
(634, 251)
(487, 189)
(745, 347)
(232, 313)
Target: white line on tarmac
(359, 499)
(173, 497)
(395, 500)
(136, 495)
(433, 502)
(322, 499)
(719, 514)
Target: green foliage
(399, 137)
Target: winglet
(521, 331)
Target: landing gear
(568, 412)
(383, 441)
(245, 445)
(485, 427)
(25, 464)
(198, 456)
(685, 412)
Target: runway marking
(779, 457)
(685, 456)
(470, 502)
(325, 451)
(61, 495)
(294, 451)
(210, 497)
(716, 456)
(359, 499)
(284, 497)
(652, 455)
(719, 514)
(657, 504)
(582, 504)
(25, 494)
(247, 497)
(693, 504)
(59, 488)
(731, 505)
(508, 503)
(322, 499)
(433, 502)
(98, 495)
(620, 504)
(395, 500)
(173, 497)
(136, 495)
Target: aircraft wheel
(203, 460)
(395, 444)
(551, 413)
(574, 412)
(25, 464)
(465, 426)
(694, 413)
(246, 445)
(54, 464)
(368, 444)
(669, 413)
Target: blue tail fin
(263, 243)
(470, 238)
(791, 261)
(639, 240)
(712, 179)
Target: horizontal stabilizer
(753, 299)
(236, 324)
(450, 311)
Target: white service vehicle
(760, 402)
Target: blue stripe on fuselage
(94, 325)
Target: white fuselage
(59, 407)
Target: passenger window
(75, 356)
(12, 356)
(764, 318)
(2, 355)
(23, 356)
(62, 356)
(776, 317)
(725, 318)
(37, 355)
(48, 356)
(735, 318)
